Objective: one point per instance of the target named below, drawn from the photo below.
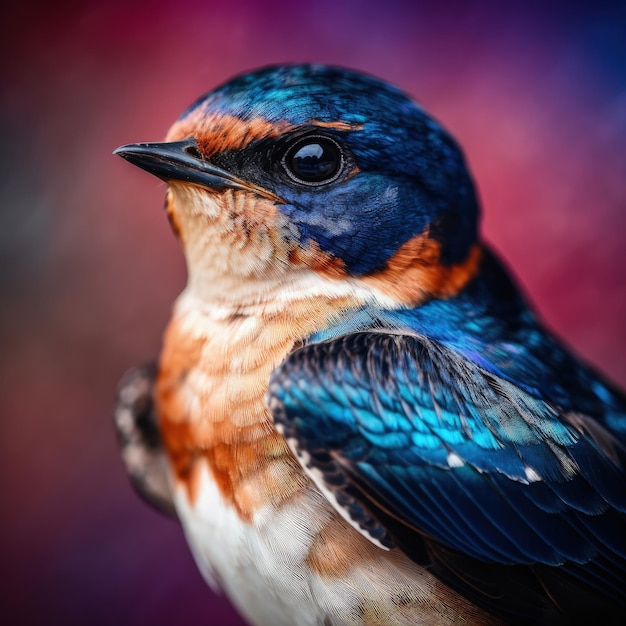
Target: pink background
(536, 96)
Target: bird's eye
(314, 160)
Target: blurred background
(536, 95)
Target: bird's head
(293, 174)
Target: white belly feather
(262, 567)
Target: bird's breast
(210, 394)
(213, 377)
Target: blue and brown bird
(355, 415)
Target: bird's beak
(181, 161)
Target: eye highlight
(314, 160)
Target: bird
(355, 415)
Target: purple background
(89, 268)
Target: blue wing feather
(460, 455)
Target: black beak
(181, 161)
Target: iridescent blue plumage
(466, 422)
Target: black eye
(314, 160)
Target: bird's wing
(400, 432)
(139, 438)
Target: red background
(536, 96)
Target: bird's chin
(231, 238)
